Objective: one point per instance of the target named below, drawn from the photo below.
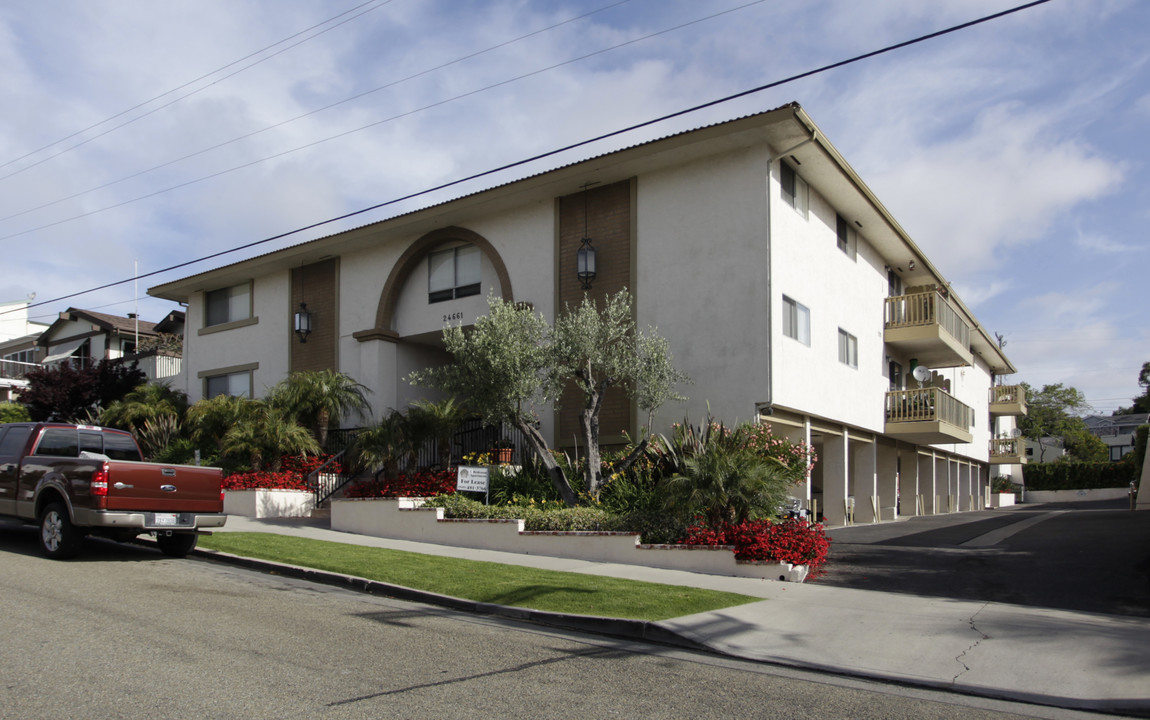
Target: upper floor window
(228, 304)
(848, 349)
(847, 238)
(453, 273)
(796, 321)
(795, 189)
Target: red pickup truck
(75, 480)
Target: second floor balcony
(928, 416)
(925, 327)
(1008, 451)
(1008, 400)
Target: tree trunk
(543, 452)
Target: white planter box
(404, 519)
(269, 503)
(998, 500)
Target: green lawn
(482, 581)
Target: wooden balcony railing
(906, 316)
(1008, 400)
(928, 405)
(1012, 450)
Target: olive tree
(512, 365)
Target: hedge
(1069, 475)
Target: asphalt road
(1090, 557)
(123, 632)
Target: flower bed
(421, 484)
(292, 475)
(793, 541)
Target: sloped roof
(102, 321)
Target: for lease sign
(470, 478)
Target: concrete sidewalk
(1045, 656)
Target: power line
(557, 151)
(181, 87)
(307, 114)
(377, 123)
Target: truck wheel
(59, 538)
(176, 545)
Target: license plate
(163, 519)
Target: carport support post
(864, 485)
(909, 484)
(888, 480)
(835, 478)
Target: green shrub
(1079, 475)
(13, 412)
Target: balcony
(1008, 400)
(925, 327)
(928, 416)
(1008, 451)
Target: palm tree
(148, 401)
(317, 398)
(385, 444)
(439, 420)
(268, 434)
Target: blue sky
(1015, 153)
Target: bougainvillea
(792, 540)
(421, 484)
(799, 455)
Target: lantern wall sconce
(302, 322)
(585, 264)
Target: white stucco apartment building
(786, 290)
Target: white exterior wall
(266, 342)
(701, 275)
(840, 292)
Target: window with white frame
(795, 189)
(847, 237)
(228, 304)
(236, 384)
(796, 321)
(453, 273)
(848, 349)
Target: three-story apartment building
(785, 289)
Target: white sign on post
(470, 478)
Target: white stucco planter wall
(404, 519)
(1056, 496)
(269, 503)
(998, 500)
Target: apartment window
(795, 189)
(453, 273)
(894, 283)
(895, 374)
(236, 384)
(848, 349)
(228, 304)
(847, 238)
(796, 321)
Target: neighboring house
(784, 287)
(84, 336)
(1047, 449)
(1117, 431)
(18, 350)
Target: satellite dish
(1016, 433)
(921, 373)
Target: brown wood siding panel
(609, 225)
(315, 285)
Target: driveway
(1092, 557)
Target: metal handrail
(325, 482)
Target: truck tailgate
(166, 488)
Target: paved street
(1092, 557)
(123, 632)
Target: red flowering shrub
(425, 483)
(791, 540)
(292, 475)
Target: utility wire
(313, 112)
(187, 95)
(557, 151)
